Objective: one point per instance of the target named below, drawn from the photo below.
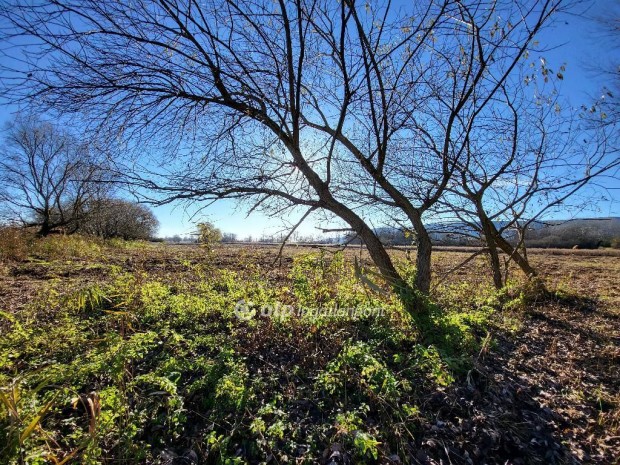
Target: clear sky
(574, 40)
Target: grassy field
(114, 352)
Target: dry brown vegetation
(541, 385)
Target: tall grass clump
(15, 243)
(66, 247)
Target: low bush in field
(136, 369)
(15, 243)
(63, 247)
(18, 244)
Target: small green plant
(208, 235)
(366, 445)
(322, 281)
(358, 368)
(138, 362)
(67, 247)
(232, 390)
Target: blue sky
(573, 40)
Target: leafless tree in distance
(47, 175)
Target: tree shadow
(526, 401)
(491, 416)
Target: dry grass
(557, 369)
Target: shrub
(329, 281)
(62, 247)
(110, 218)
(208, 234)
(14, 243)
(358, 365)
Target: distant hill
(584, 233)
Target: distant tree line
(580, 233)
(575, 233)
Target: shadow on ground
(548, 394)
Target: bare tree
(539, 158)
(117, 218)
(360, 111)
(228, 237)
(605, 67)
(47, 175)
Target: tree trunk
(381, 259)
(379, 255)
(45, 229)
(514, 254)
(508, 249)
(423, 258)
(495, 264)
(487, 229)
(423, 263)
